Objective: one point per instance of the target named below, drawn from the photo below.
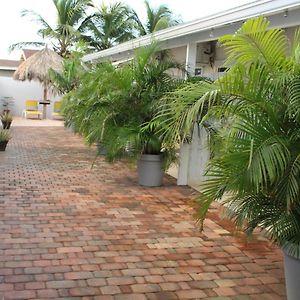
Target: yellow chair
(31, 109)
(57, 110)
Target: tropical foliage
(6, 117)
(109, 25)
(256, 170)
(4, 135)
(69, 79)
(67, 30)
(112, 104)
(102, 28)
(157, 18)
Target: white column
(191, 57)
(193, 157)
(198, 157)
(183, 168)
(185, 148)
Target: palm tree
(112, 104)
(157, 18)
(110, 25)
(69, 78)
(257, 102)
(70, 18)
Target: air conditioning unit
(198, 71)
(206, 53)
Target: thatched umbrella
(37, 67)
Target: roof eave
(265, 7)
(8, 68)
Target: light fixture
(286, 13)
(211, 34)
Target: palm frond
(22, 45)
(254, 41)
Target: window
(222, 69)
(198, 71)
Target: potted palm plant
(256, 164)
(150, 163)
(112, 105)
(149, 82)
(6, 119)
(4, 138)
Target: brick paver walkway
(70, 232)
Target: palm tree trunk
(45, 100)
(45, 93)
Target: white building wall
(194, 157)
(290, 33)
(179, 54)
(202, 60)
(198, 157)
(22, 91)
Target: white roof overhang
(281, 13)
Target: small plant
(6, 119)
(4, 135)
(4, 138)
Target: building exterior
(26, 53)
(195, 45)
(15, 93)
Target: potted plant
(100, 148)
(150, 162)
(6, 119)
(255, 170)
(4, 138)
(112, 105)
(149, 81)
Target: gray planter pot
(100, 149)
(292, 275)
(150, 172)
(71, 127)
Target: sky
(14, 28)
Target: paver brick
(15, 295)
(169, 286)
(162, 296)
(19, 278)
(177, 277)
(69, 231)
(33, 270)
(110, 290)
(36, 285)
(191, 294)
(96, 282)
(225, 291)
(78, 275)
(47, 293)
(135, 272)
(61, 284)
(225, 283)
(6, 287)
(124, 280)
(130, 297)
(69, 249)
(145, 288)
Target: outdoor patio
(71, 232)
